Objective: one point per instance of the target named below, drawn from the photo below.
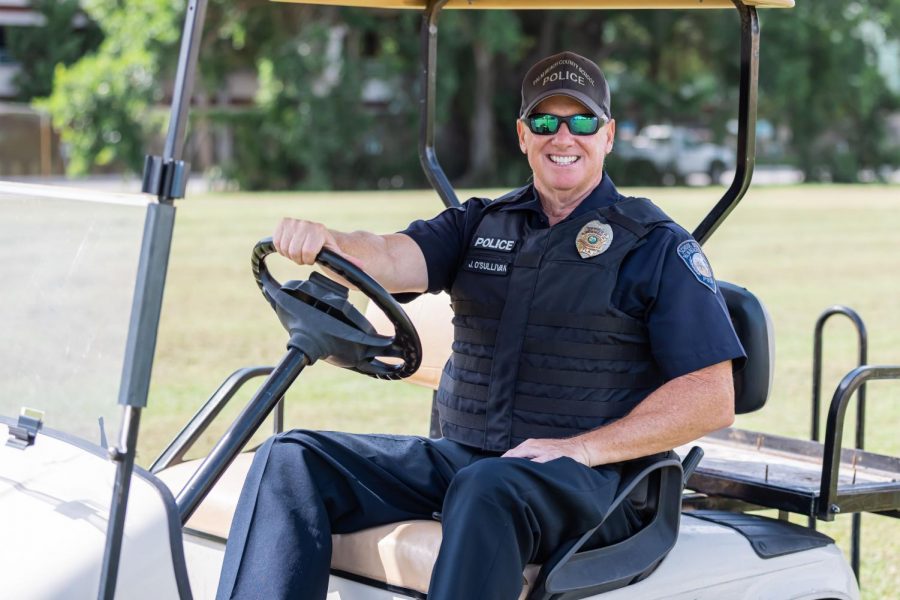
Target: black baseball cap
(566, 74)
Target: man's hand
(544, 450)
(301, 241)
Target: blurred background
(323, 98)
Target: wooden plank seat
(786, 473)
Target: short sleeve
(442, 240)
(669, 284)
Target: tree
(310, 127)
(823, 81)
(65, 36)
(483, 45)
(103, 105)
(338, 100)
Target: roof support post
(427, 94)
(746, 142)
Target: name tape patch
(490, 243)
(693, 257)
(487, 266)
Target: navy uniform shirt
(688, 323)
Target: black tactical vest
(539, 351)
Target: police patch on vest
(693, 257)
(488, 266)
(593, 239)
(490, 243)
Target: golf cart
(74, 501)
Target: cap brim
(583, 98)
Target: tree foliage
(64, 37)
(338, 98)
(825, 81)
(304, 132)
(103, 105)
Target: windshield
(68, 263)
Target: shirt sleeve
(680, 302)
(442, 240)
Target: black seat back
(753, 383)
(570, 574)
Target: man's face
(556, 174)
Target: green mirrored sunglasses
(547, 124)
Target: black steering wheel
(323, 324)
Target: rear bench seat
(399, 554)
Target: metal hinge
(22, 434)
(165, 178)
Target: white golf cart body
(64, 488)
(54, 532)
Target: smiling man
(588, 331)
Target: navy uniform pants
(497, 514)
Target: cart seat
(432, 316)
(403, 554)
(753, 382)
(400, 555)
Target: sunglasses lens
(584, 124)
(543, 124)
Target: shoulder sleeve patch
(693, 257)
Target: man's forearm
(393, 260)
(680, 411)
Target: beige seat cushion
(431, 314)
(400, 554)
(214, 514)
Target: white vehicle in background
(83, 276)
(671, 154)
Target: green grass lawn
(800, 249)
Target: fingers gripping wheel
(323, 324)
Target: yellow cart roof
(550, 4)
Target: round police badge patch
(693, 257)
(593, 239)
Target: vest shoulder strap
(509, 197)
(637, 215)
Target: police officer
(588, 330)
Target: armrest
(576, 574)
